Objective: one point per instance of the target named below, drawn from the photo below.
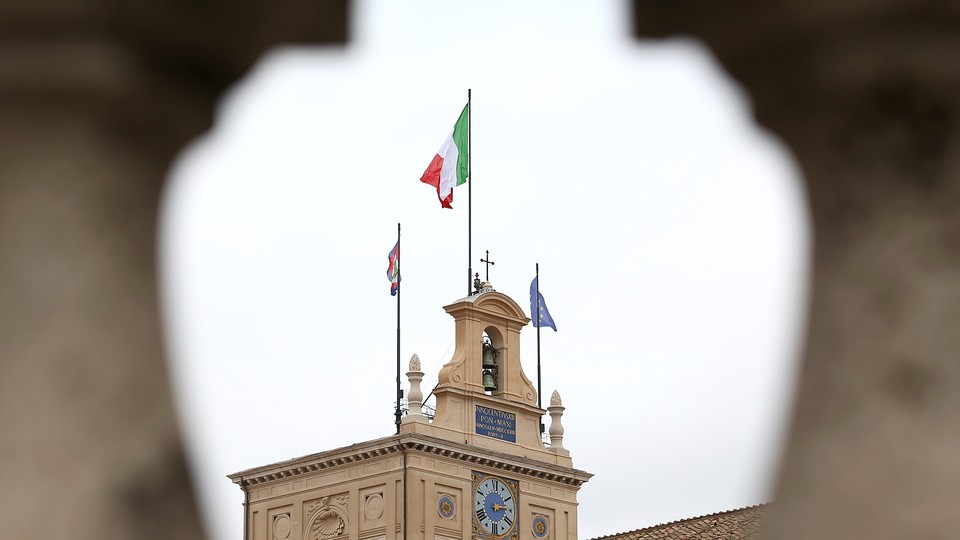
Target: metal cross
(488, 262)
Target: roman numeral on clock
(481, 514)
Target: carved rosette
(447, 506)
(540, 526)
(327, 517)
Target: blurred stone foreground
(867, 96)
(97, 98)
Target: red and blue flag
(393, 270)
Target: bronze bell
(489, 358)
(489, 381)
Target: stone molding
(516, 465)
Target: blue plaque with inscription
(496, 424)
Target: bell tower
(478, 469)
(484, 398)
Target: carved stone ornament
(540, 526)
(373, 506)
(282, 526)
(452, 371)
(327, 517)
(414, 363)
(447, 506)
(327, 524)
(555, 399)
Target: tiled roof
(742, 524)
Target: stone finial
(556, 428)
(415, 396)
(555, 399)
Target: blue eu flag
(541, 317)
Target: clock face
(495, 506)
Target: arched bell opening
(491, 343)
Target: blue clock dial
(495, 506)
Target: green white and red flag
(450, 167)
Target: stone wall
(96, 99)
(867, 96)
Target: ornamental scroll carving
(452, 371)
(327, 517)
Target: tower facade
(477, 470)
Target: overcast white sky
(671, 235)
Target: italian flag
(449, 167)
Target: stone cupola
(505, 417)
(499, 318)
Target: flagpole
(539, 401)
(399, 391)
(469, 198)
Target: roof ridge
(683, 520)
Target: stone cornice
(411, 442)
(315, 462)
(497, 460)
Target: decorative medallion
(446, 506)
(540, 528)
(373, 507)
(281, 526)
